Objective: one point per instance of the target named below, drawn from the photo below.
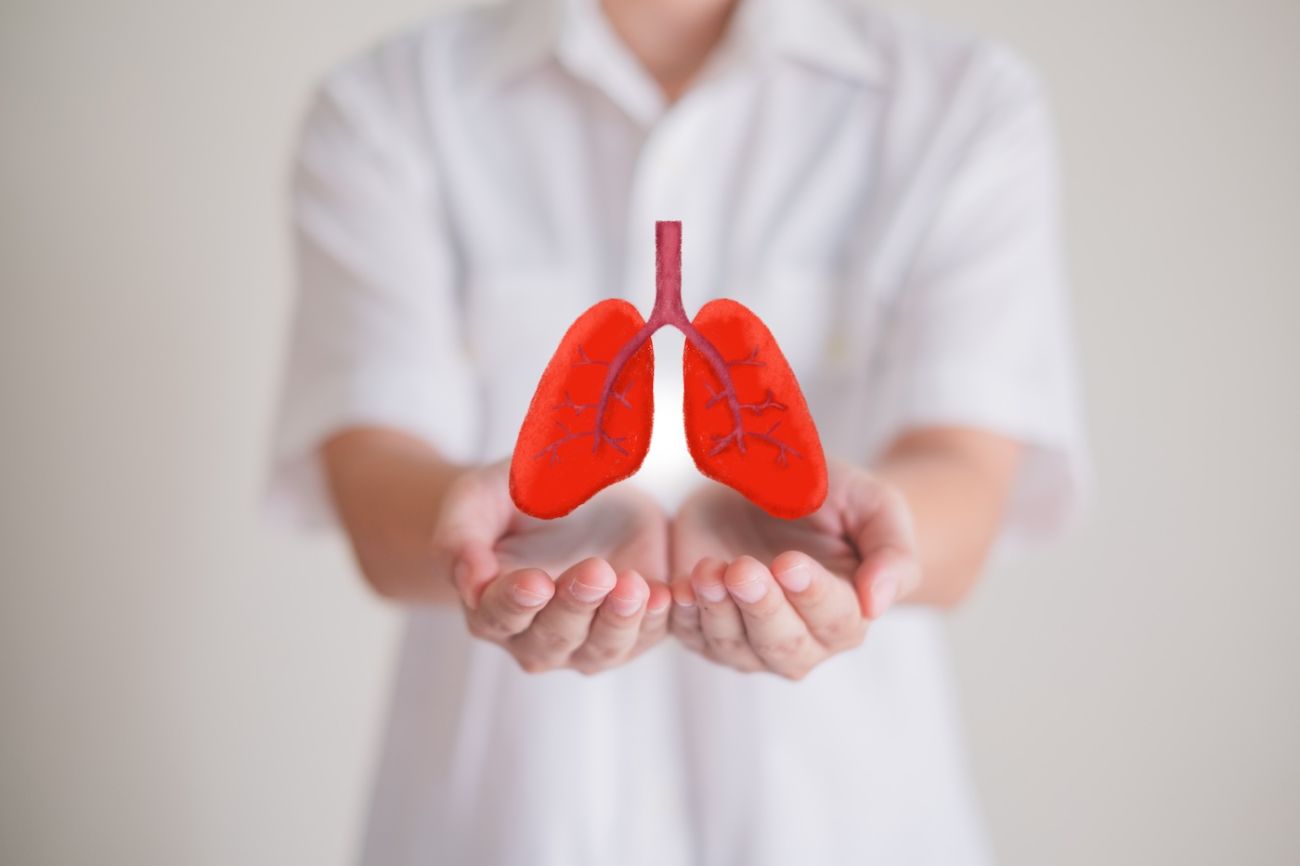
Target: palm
(717, 522)
(624, 527)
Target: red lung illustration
(589, 423)
(746, 420)
(747, 424)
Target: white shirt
(881, 193)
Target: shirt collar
(820, 34)
(522, 34)
(817, 33)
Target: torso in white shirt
(880, 193)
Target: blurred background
(181, 684)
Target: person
(883, 193)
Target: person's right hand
(586, 591)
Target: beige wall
(180, 685)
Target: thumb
(882, 531)
(476, 513)
(883, 577)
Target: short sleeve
(375, 326)
(984, 338)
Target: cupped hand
(758, 593)
(586, 591)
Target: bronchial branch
(751, 360)
(579, 408)
(668, 310)
(584, 361)
(720, 443)
(553, 450)
(769, 402)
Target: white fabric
(882, 193)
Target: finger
(654, 626)
(777, 635)
(886, 541)
(684, 621)
(563, 625)
(615, 627)
(644, 548)
(473, 566)
(476, 511)
(509, 604)
(884, 577)
(693, 536)
(720, 621)
(825, 602)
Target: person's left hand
(758, 593)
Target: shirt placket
(665, 186)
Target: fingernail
(750, 591)
(711, 591)
(624, 606)
(883, 591)
(526, 598)
(586, 593)
(796, 578)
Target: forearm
(956, 483)
(388, 488)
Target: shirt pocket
(829, 325)
(818, 317)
